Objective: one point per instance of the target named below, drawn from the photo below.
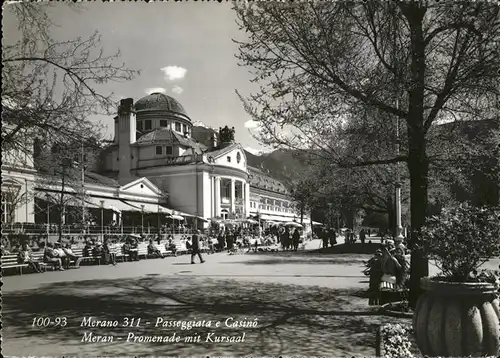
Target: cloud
(257, 151)
(173, 73)
(251, 124)
(155, 90)
(177, 89)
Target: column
(233, 199)
(247, 199)
(217, 196)
(212, 196)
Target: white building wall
(222, 161)
(206, 194)
(182, 192)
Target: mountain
(281, 164)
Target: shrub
(396, 342)
(461, 239)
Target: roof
(159, 102)
(218, 152)
(94, 178)
(260, 180)
(170, 136)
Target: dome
(159, 102)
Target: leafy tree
(61, 168)
(321, 64)
(50, 87)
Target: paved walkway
(303, 304)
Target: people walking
(362, 236)
(324, 238)
(296, 239)
(195, 247)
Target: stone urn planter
(457, 319)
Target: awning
(111, 204)
(149, 207)
(275, 218)
(69, 199)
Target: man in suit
(195, 247)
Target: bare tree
(320, 64)
(49, 87)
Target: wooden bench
(181, 248)
(10, 262)
(163, 251)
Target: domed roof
(159, 102)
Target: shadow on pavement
(304, 261)
(292, 319)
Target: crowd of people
(388, 270)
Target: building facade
(204, 171)
(158, 161)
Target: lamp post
(399, 228)
(158, 223)
(330, 218)
(47, 196)
(142, 218)
(102, 219)
(83, 185)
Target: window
(184, 128)
(163, 123)
(7, 206)
(159, 150)
(169, 149)
(227, 190)
(139, 125)
(177, 127)
(228, 159)
(147, 124)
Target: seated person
(52, 257)
(62, 255)
(132, 252)
(70, 254)
(87, 249)
(97, 251)
(170, 246)
(153, 250)
(109, 256)
(25, 257)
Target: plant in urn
(459, 313)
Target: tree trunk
(418, 165)
(61, 206)
(391, 215)
(418, 168)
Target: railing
(53, 229)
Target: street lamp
(102, 219)
(142, 218)
(47, 197)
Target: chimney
(215, 142)
(117, 130)
(126, 136)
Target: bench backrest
(161, 248)
(8, 260)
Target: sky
(183, 49)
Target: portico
(230, 196)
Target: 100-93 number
(47, 321)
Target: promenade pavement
(287, 304)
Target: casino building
(204, 172)
(160, 162)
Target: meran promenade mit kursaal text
(160, 322)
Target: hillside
(280, 164)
